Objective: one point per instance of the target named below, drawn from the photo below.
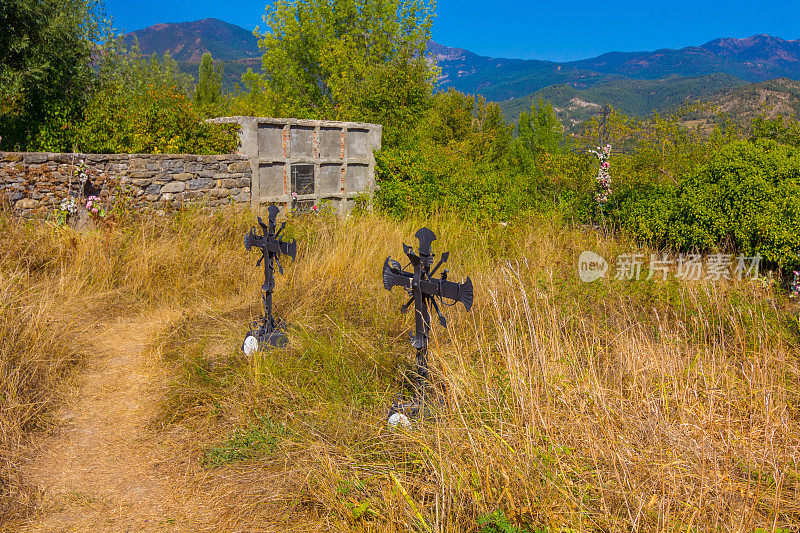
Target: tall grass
(36, 355)
(57, 286)
(615, 405)
(612, 406)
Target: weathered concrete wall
(35, 183)
(317, 160)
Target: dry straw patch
(613, 406)
(57, 287)
(610, 406)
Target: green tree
(451, 118)
(46, 75)
(540, 130)
(494, 132)
(780, 129)
(469, 125)
(208, 93)
(144, 106)
(609, 126)
(347, 60)
(539, 135)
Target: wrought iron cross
(604, 132)
(424, 289)
(268, 330)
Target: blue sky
(554, 30)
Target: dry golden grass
(610, 406)
(37, 355)
(57, 287)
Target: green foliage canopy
(746, 198)
(208, 93)
(46, 75)
(143, 106)
(458, 161)
(540, 130)
(357, 60)
(780, 129)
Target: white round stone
(250, 345)
(399, 419)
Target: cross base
(423, 405)
(265, 335)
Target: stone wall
(34, 184)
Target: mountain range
(187, 41)
(754, 59)
(635, 82)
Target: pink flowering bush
(603, 176)
(94, 208)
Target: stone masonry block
(241, 166)
(26, 203)
(140, 174)
(33, 158)
(173, 187)
(200, 183)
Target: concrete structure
(315, 159)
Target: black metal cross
(604, 132)
(268, 330)
(424, 289)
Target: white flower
(68, 205)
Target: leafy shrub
(746, 198)
(251, 442)
(497, 522)
(458, 160)
(428, 178)
(782, 130)
(143, 106)
(160, 121)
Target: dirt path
(105, 469)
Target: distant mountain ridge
(753, 59)
(186, 41)
(635, 82)
(632, 97)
